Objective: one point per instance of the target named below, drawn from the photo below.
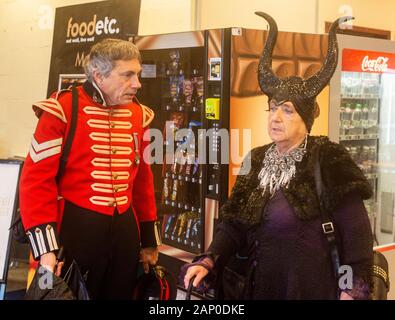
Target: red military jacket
(104, 171)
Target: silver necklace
(278, 170)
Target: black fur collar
(340, 176)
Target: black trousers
(105, 247)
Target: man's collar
(94, 92)
(92, 89)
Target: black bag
(380, 276)
(233, 279)
(232, 276)
(17, 229)
(71, 287)
(158, 284)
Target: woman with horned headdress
(295, 242)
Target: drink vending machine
(362, 109)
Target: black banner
(78, 27)
(200, 310)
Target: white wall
(307, 16)
(26, 29)
(367, 13)
(166, 16)
(290, 15)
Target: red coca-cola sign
(368, 61)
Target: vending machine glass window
(367, 109)
(172, 85)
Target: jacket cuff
(43, 239)
(150, 234)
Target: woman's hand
(200, 271)
(345, 296)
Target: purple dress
(291, 257)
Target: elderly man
(102, 210)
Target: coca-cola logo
(375, 65)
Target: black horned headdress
(301, 92)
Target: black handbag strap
(328, 227)
(190, 288)
(70, 136)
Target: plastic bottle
(347, 83)
(364, 84)
(350, 115)
(365, 118)
(344, 84)
(367, 85)
(372, 159)
(373, 116)
(342, 130)
(354, 153)
(364, 160)
(375, 85)
(356, 85)
(347, 118)
(356, 119)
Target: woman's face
(286, 128)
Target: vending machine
(185, 79)
(204, 91)
(362, 111)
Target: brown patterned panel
(245, 76)
(285, 45)
(250, 43)
(308, 68)
(214, 43)
(294, 54)
(307, 46)
(283, 68)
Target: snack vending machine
(185, 80)
(362, 110)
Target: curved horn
(318, 81)
(266, 77)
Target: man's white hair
(105, 53)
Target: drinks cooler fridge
(362, 110)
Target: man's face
(285, 126)
(121, 85)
